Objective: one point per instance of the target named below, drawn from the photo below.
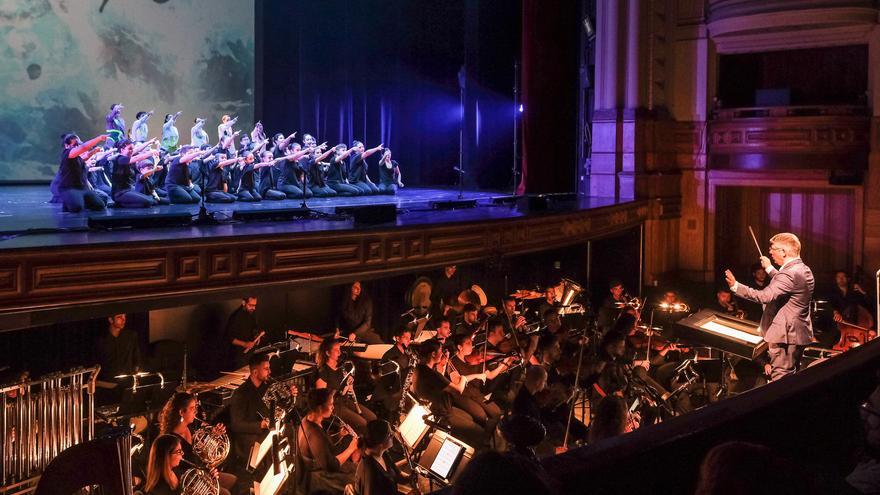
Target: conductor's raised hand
(728, 276)
(765, 262)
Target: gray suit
(786, 324)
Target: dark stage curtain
(550, 31)
(387, 72)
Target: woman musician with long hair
(332, 375)
(176, 418)
(320, 464)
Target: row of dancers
(130, 170)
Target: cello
(855, 334)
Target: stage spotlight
(520, 108)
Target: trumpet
(676, 307)
(629, 302)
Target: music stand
(273, 482)
(259, 451)
(445, 457)
(413, 428)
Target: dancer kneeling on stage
(73, 185)
(290, 181)
(178, 182)
(176, 418)
(317, 168)
(358, 170)
(390, 177)
(217, 188)
(319, 464)
(125, 175)
(247, 188)
(430, 385)
(337, 176)
(269, 177)
(376, 473)
(331, 375)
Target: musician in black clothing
(472, 400)
(388, 388)
(320, 465)
(445, 291)
(355, 317)
(242, 332)
(118, 350)
(526, 403)
(377, 474)
(332, 375)
(612, 306)
(163, 469)
(468, 323)
(431, 385)
(249, 415)
(847, 299)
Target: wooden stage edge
(36, 284)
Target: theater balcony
(790, 137)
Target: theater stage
(28, 220)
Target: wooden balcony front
(791, 137)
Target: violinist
(332, 375)
(432, 386)
(323, 467)
(472, 400)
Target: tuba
(196, 481)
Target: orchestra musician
(354, 319)
(847, 299)
(176, 418)
(249, 415)
(786, 324)
(472, 399)
(432, 386)
(332, 375)
(377, 473)
(118, 350)
(468, 323)
(612, 306)
(725, 303)
(445, 291)
(388, 388)
(163, 466)
(242, 332)
(320, 465)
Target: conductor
(785, 324)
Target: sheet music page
(449, 453)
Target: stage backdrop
(65, 62)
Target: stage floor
(28, 220)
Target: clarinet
(407, 381)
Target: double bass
(855, 334)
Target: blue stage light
(520, 108)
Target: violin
(642, 335)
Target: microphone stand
(516, 114)
(205, 217)
(461, 136)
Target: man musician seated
(388, 390)
(469, 322)
(118, 353)
(355, 316)
(249, 415)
